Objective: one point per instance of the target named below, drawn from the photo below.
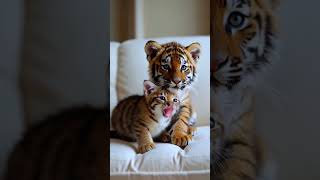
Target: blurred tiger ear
(151, 49)
(274, 4)
(148, 87)
(194, 49)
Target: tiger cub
(245, 44)
(142, 118)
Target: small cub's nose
(176, 80)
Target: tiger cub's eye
(162, 98)
(236, 19)
(175, 100)
(183, 67)
(165, 67)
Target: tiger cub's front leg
(145, 141)
(182, 131)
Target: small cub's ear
(151, 49)
(194, 49)
(148, 87)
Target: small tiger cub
(142, 118)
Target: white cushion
(65, 56)
(132, 70)
(166, 159)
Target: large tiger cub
(142, 118)
(244, 43)
(175, 67)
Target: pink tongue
(167, 111)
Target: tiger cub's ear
(274, 4)
(194, 50)
(148, 87)
(151, 48)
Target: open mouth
(167, 111)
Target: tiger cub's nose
(176, 80)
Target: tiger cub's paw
(165, 137)
(146, 147)
(192, 130)
(181, 138)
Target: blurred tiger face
(243, 39)
(243, 34)
(172, 65)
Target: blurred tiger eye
(236, 19)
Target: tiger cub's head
(171, 64)
(243, 36)
(160, 100)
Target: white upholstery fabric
(65, 57)
(132, 70)
(190, 175)
(166, 159)
(113, 74)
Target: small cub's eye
(183, 67)
(236, 19)
(175, 100)
(165, 67)
(162, 98)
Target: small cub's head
(161, 100)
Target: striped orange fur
(244, 41)
(245, 34)
(142, 118)
(175, 66)
(67, 145)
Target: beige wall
(161, 18)
(176, 17)
(119, 12)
